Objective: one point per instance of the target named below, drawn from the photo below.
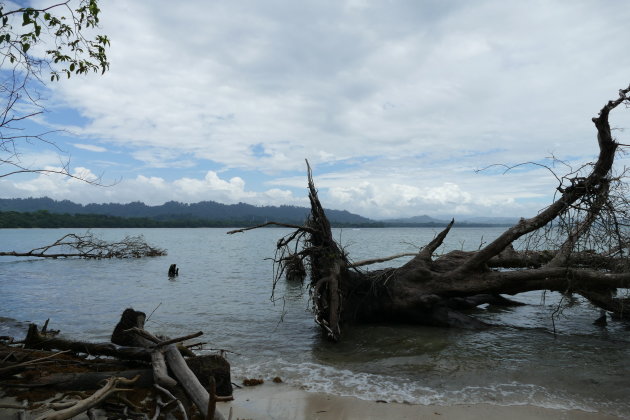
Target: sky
(397, 105)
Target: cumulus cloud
(151, 190)
(90, 147)
(390, 201)
(412, 95)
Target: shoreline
(281, 401)
(285, 402)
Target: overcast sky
(394, 103)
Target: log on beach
(137, 373)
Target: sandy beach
(282, 402)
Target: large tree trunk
(432, 291)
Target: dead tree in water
(90, 247)
(589, 214)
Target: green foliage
(60, 29)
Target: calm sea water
(224, 289)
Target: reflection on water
(224, 289)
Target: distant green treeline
(45, 219)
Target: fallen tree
(580, 246)
(89, 246)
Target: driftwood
(580, 245)
(111, 386)
(150, 361)
(185, 376)
(180, 406)
(176, 363)
(160, 371)
(85, 381)
(35, 340)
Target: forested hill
(241, 213)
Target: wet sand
(282, 402)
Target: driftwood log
(110, 387)
(130, 329)
(156, 365)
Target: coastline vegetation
(48, 220)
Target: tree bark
(35, 340)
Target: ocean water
(224, 289)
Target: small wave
(315, 377)
(12, 327)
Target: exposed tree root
(580, 246)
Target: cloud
(278, 75)
(412, 95)
(90, 147)
(151, 190)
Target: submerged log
(173, 271)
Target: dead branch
(268, 224)
(90, 247)
(180, 406)
(35, 340)
(380, 260)
(109, 388)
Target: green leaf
(72, 67)
(25, 46)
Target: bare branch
(89, 247)
(380, 260)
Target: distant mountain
(173, 213)
(491, 220)
(240, 213)
(428, 221)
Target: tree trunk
(432, 291)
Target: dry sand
(282, 402)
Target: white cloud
(394, 103)
(151, 190)
(274, 74)
(90, 147)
